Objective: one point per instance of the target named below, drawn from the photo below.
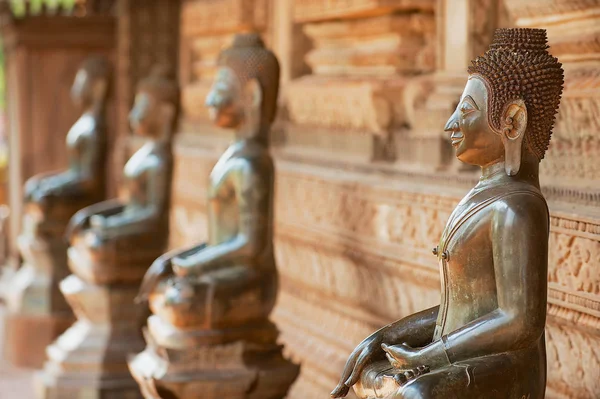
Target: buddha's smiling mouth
(457, 138)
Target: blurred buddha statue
(215, 298)
(38, 310)
(112, 243)
(486, 338)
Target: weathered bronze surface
(38, 312)
(486, 338)
(111, 244)
(210, 333)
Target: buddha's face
(81, 91)
(145, 117)
(475, 141)
(225, 99)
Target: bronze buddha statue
(36, 305)
(111, 244)
(219, 294)
(486, 338)
(113, 241)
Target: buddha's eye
(466, 108)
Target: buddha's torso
(149, 162)
(465, 255)
(243, 170)
(85, 145)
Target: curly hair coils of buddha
(518, 66)
(250, 59)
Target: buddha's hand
(405, 357)
(158, 271)
(368, 351)
(31, 186)
(181, 266)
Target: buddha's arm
(416, 330)
(519, 236)
(137, 219)
(253, 191)
(34, 183)
(81, 219)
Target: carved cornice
(319, 10)
(531, 12)
(210, 17)
(368, 106)
(379, 46)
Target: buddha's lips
(457, 138)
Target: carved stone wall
(358, 207)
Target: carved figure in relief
(112, 243)
(221, 293)
(486, 338)
(34, 301)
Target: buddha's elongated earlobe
(100, 89)
(253, 96)
(514, 124)
(168, 112)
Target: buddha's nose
(452, 125)
(211, 99)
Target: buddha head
(156, 106)
(246, 86)
(92, 82)
(508, 108)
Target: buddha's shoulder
(520, 200)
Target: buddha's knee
(179, 302)
(421, 388)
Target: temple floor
(14, 383)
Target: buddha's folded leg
(503, 376)
(239, 294)
(223, 298)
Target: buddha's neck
(496, 173)
(257, 134)
(95, 109)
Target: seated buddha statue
(56, 196)
(231, 280)
(486, 338)
(113, 241)
(215, 298)
(50, 199)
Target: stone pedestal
(231, 370)
(37, 311)
(89, 359)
